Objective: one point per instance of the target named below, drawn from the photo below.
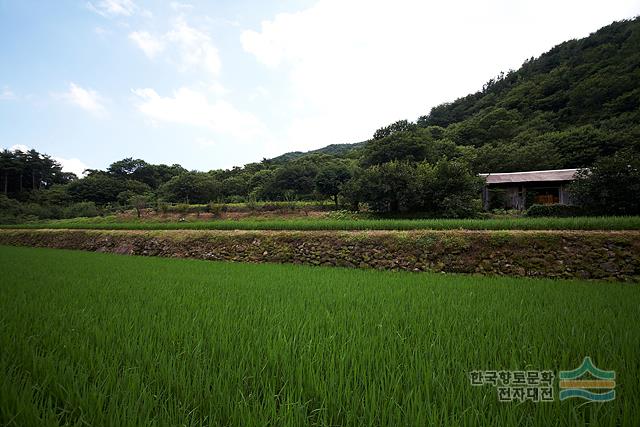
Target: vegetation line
(572, 223)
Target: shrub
(611, 186)
(9, 207)
(139, 202)
(36, 210)
(554, 210)
(82, 209)
(216, 209)
(251, 203)
(162, 207)
(497, 198)
(182, 208)
(12, 211)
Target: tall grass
(102, 339)
(573, 223)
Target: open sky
(213, 84)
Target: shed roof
(531, 176)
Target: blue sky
(213, 84)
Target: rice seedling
(525, 223)
(102, 339)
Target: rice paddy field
(522, 223)
(101, 339)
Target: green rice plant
(103, 339)
(525, 223)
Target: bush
(82, 209)
(459, 207)
(13, 212)
(554, 210)
(216, 209)
(611, 186)
(36, 210)
(182, 208)
(139, 203)
(235, 199)
(162, 207)
(9, 209)
(497, 198)
(251, 203)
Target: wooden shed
(519, 190)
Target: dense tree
(135, 169)
(22, 172)
(9, 165)
(448, 189)
(164, 172)
(191, 187)
(235, 186)
(581, 146)
(296, 178)
(99, 188)
(581, 97)
(330, 179)
(139, 170)
(399, 146)
(491, 125)
(389, 187)
(399, 126)
(610, 186)
(261, 184)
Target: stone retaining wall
(562, 254)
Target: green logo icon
(599, 387)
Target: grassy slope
(113, 340)
(578, 223)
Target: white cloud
(149, 44)
(206, 142)
(258, 92)
(178, 6)
(68, 165)
(7, 94)
(349, 67)
(101, 32)
(20, 147)
(108, 8)
(87, 99)
(195, 47)
(72, 165)
(193, 108)
(192, 47)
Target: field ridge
(611, 255)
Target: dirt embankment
(561, 254)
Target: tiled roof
(532, 176)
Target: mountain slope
(579, 81)
(572, 105)
(339, 150)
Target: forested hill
(332, 150)
(578, 82)
(574, 104)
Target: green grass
(102, 339)
(575, 223)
